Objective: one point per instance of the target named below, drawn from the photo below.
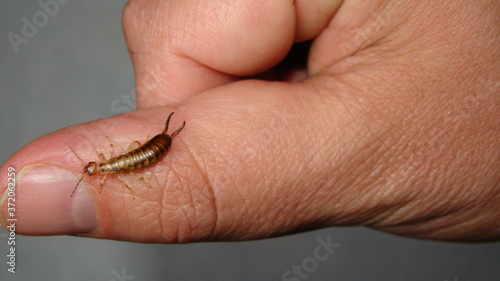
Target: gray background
(72, 71)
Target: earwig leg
(110, 147)
(131, 191)
(140, 178)
(100, 155)
(102, 182)
(129, 148)
(103, 158)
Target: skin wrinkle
(181, 33)
(180, 237)
(375, 50)
(322, 181)
(242, 207)
(436, 227)
(282, 207)
(120, 218)
(162, 202)
(211, 197)
(178, 231)
(357, 39)
(198, 220)
(360, 160)
(177, 216)
(296, 162)
(263, 194)
(130, 11)
(407, 172)
(127, 225)
(187, 203)
(303, 166)
(273, 217)
(434, 206)
(429, 223)
(189, 211)
(208, 182)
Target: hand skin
(392, 124)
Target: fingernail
(43, 205)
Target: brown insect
(141, 157)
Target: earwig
(143, 156)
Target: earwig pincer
(143, 156)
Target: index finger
(180, 48)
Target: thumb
(48, 193)
(255, 159)
(208, 186)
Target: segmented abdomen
(138, 158)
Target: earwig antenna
(76, 155)
(83, 164)
(76, 186)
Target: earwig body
(143, 156)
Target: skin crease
(394, 126)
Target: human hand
(394, 126)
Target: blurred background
(69, 64)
